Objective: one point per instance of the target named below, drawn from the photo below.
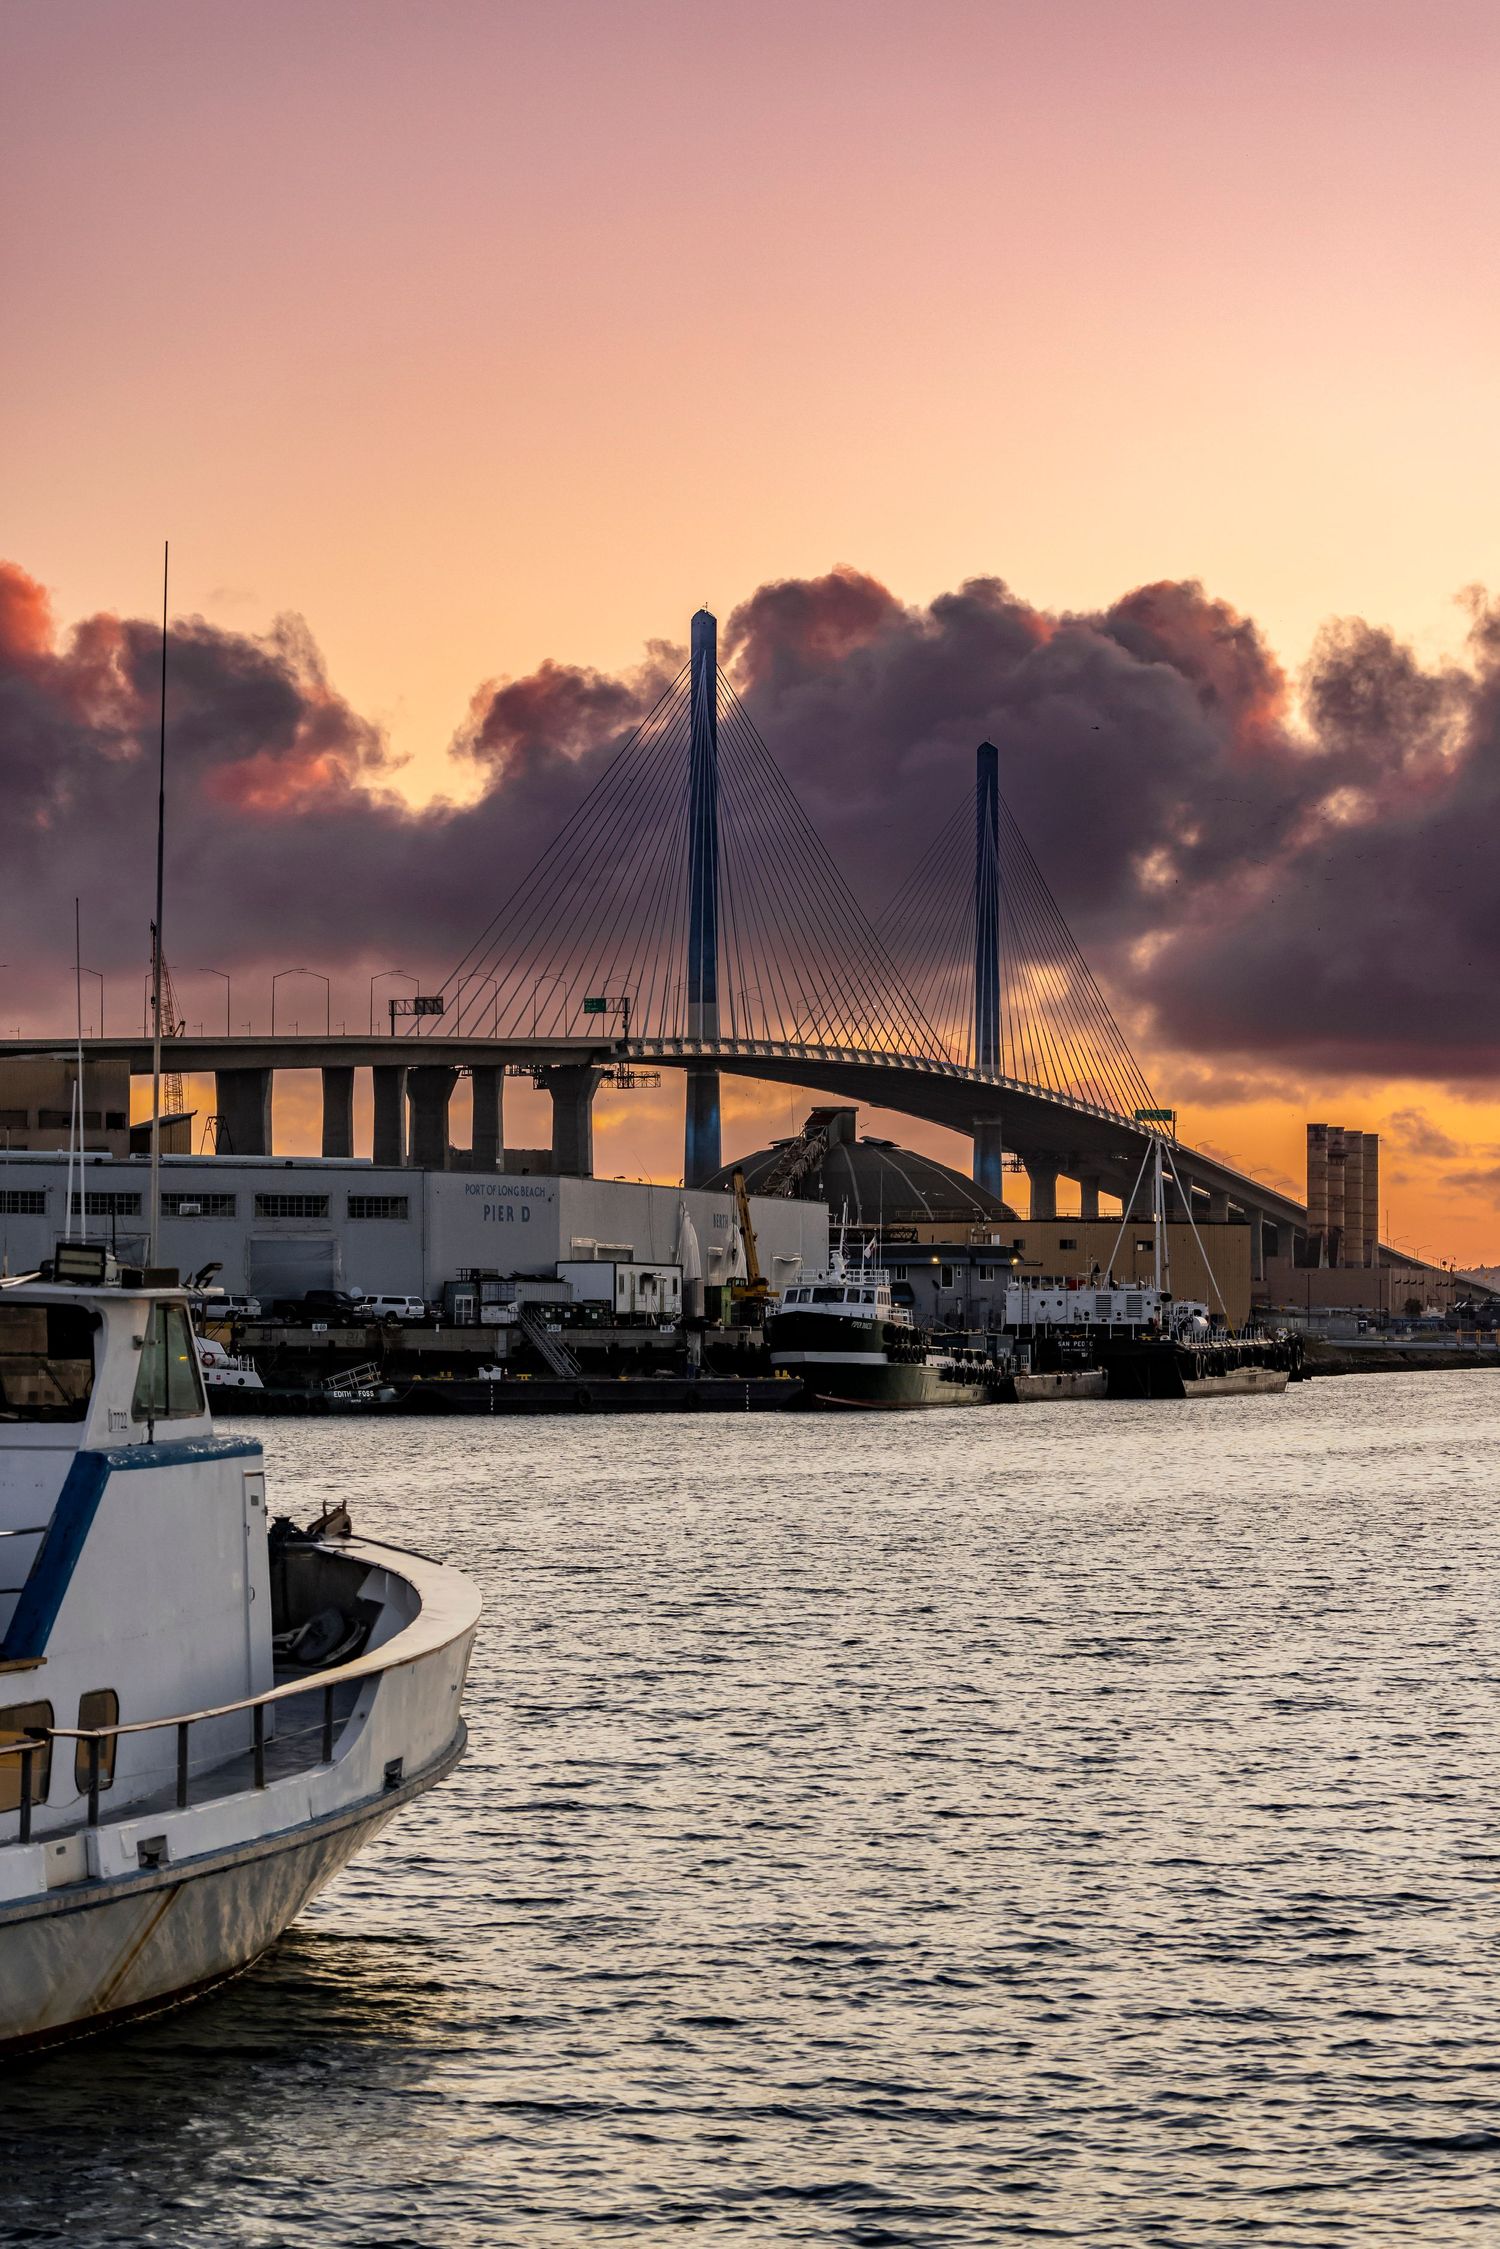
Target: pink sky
(480, 333)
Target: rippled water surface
(1063, 1823)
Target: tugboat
(201, 1718)
(840, 1332)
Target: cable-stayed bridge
(691, 903)
(688, 916)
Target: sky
(463, 351)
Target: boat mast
(161, 832)
(75, 1120)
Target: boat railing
(39, 1741)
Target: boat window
(828, 1296)
(46, 1361)
(100, 1706)
(167, 1383)
(16, 1722)
(869, 1296)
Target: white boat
(200, 1720)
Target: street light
(219, 972)
(536, 987)
(380, 979)
(475, 978)
(327, 994)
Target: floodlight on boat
(82, 1264)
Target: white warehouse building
(279, 1225)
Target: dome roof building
(882, 1184)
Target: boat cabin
(134, 1572)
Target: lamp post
(223, 976)
(475, 978)
(535, 989)
(317, 973)
(380, 979)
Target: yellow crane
(754, 1288)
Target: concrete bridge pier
(243, 1101)
(389, 1145)
(338, 1112)
(702, 1144)
(1089, 1185)
(487, 1139)
(429, 1089)
(1257, 1246)
(1141, 1192)
(1218, 1206)
(572, 1086)
(1043, 1179)
(989, 1156)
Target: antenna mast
(161, 834)
(75, 1122)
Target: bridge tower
(701, 1143)
(988, 1149)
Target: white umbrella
(689, 1257)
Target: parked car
(394, 1308)
(339, 1306)
(216, 1305)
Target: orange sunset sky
(483, 337)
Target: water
(1056, 1824)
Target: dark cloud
(1484, 1182)
(1414, 1132)
(286, 843)
(1268, 886)
(1308, 893)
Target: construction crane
(172, 1027)
(754, 1289)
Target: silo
(1317, 1194)
(1353, 1250)
(1336, 1162)
(1372, 1198)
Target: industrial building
(37, 1102)
(277, 1226)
